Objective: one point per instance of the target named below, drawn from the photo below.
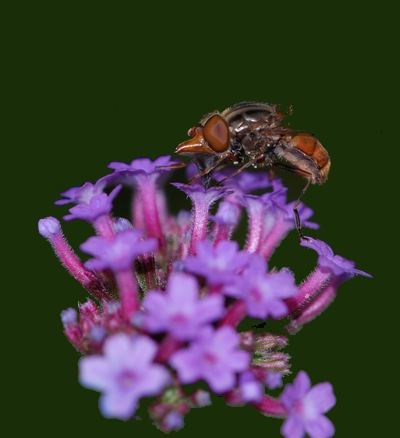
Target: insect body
(250, 133)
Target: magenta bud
(200, 398)
(73, 333)
(158, 410)
(69, 316)
(89, 315)
(247, 340)
(89, 308)
(269, 341)
(97, 336)
(172, 421)
(234, 398)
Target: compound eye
(216, 133)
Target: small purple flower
(97, 334)
(250, 388)
(273, 379)
(214, 356)
(122, 224)
(338, 265)
(197, 193)
(173, 421)
(124, 374)
(201, 398)
(98, 205)
(143, 165)
(306, 406)
(83, 194)
(218, 264)
(263, 294)
(244, 182)
(140, 172)
(179, 311)
(227, 214)
(119, 254)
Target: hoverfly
(250, 134)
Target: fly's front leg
(205, 173)
(173, 166)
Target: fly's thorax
(245, 117)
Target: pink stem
(235, 314)
(307, 291)
(128, 293)
(168, 346)
(271, 406)
(199, 227)
(273, 239)
(104, 227)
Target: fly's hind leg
(296, 212)
(297, 203)
(245, 166)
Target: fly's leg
(271, 172)
(173, 166)
(296, 212)
(297, 203)
(245, 166)
(205, 173)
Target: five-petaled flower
(179, 311)
(124, 373)
(306, 406)
(214, 356)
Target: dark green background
(86, 86)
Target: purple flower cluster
(168, 295)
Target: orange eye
(216, 133)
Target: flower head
(169, 300)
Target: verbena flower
(124, 373)
(179, 310)
(214, 356)
(169, 293)
(262, 295)
(306, 406)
